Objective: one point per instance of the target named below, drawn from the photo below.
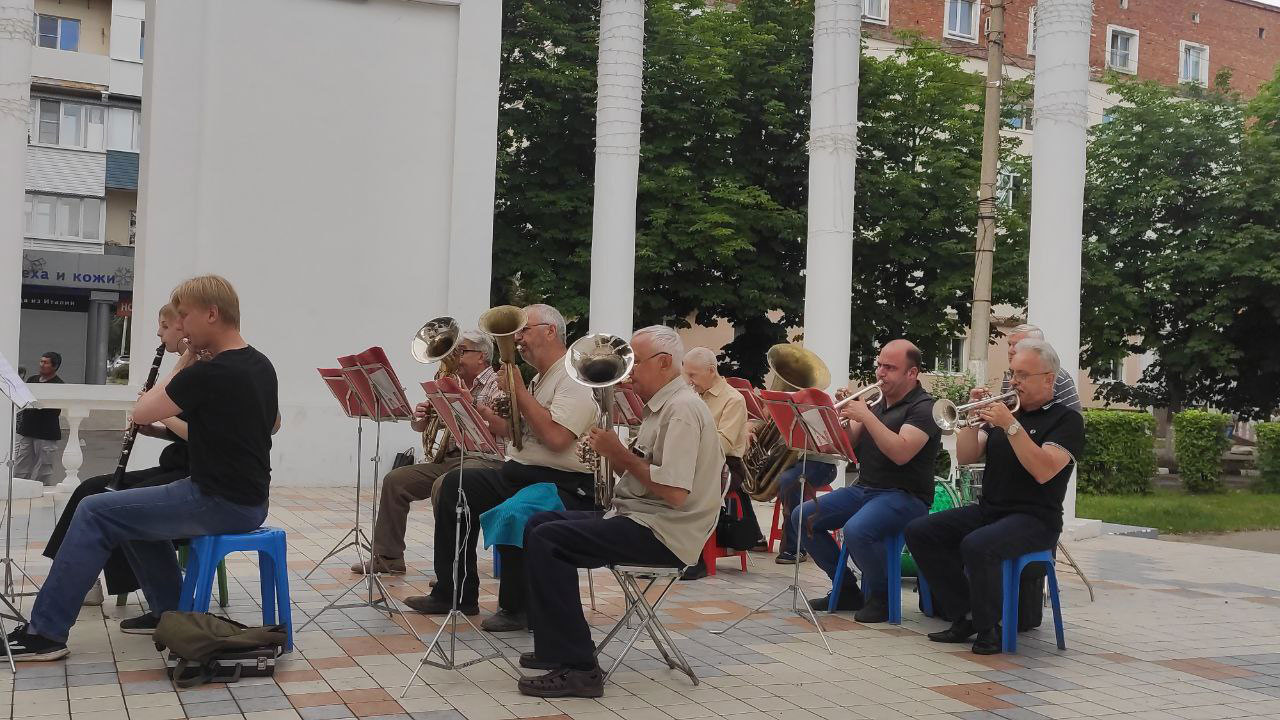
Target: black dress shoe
(850, 600)
(697, 572)
(874, 610)
(504, 621)
(988, 642)
(960, 631)
(435, 605)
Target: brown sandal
(565, 683)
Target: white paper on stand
(13, 386)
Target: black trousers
(557, 544)
(950, 543)
(487, 488)
(119, 574)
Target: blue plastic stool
(893, 575)
(1012, 572)
(207, 552)
(926, 598)
(497, 564)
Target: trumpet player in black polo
(1029, 455)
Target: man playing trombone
(1029, 458)
(404, 485)
(895, 441)
(554, 410)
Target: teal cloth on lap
(504, 524)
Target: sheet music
(812, 418)
(13, 386)
(388, 391)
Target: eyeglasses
(464, 351)
(652, 357)
(527, 328)
(1020, 377)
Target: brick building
(1169, 41)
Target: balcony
(73, 69)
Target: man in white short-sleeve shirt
(554, 411)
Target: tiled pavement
(1177, 631)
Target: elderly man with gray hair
(1064, 386)
(664, 505)
(1029, 458)
(403, 485)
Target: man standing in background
(38, 431)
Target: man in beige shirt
(555, 411)
(730, 413)
(664, 506)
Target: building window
(1031, 31)
(951, 360)
(1021, 119)
(1195, 17)
(68, 124)
(1111, 371)
(142, 37)
(124, 130)
(962, 20)
(1262, 33)
(876, 11)
(64, 218)
(1194, 65)
(1122, 49)
(58, 33)
(1006, 188)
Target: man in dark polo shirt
(38, 431)
(1029, 457)
(895, 442)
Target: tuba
(600, 362)
(502, 323)
(436, 341)
(792, 368)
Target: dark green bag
(207, 648)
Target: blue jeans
(816, 474)
(143, 522)
(868, 516)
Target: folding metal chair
(629, 578)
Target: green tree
(1168, 266)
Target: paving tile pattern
(1178, 631)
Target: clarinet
(132, 433)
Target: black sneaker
(786, 557)
(874, 610)
(850, 600)
(34, 648)
(144, 624)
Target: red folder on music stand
(754, 411)
(342, 391)
(808, 421)
(458, 411)
(376, 385)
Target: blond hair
(167, 312)
(209, 291)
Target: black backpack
(206, 648)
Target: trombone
(502, 323)
(950, 416)
(436, 341)
(600, 362)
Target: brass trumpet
(600, 362)
(502, 323)
(877, 388)
(436, 341)
(950, 416)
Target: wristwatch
(1013, 429)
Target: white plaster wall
(307, 151)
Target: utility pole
(980, 324)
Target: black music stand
(18, 396)
(813, 426)
(455, 407)
(379, 397)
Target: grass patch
(1174, 511)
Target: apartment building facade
(81, 201)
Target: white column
(72, 455)
(833, 138)
(16, 35)
(613, 228)
(1057, 175)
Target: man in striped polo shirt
(1064, 386)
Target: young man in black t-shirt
(1028, 465)
(229, 402)
(38, 430)
(895, 442)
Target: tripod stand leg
(1072, 562)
